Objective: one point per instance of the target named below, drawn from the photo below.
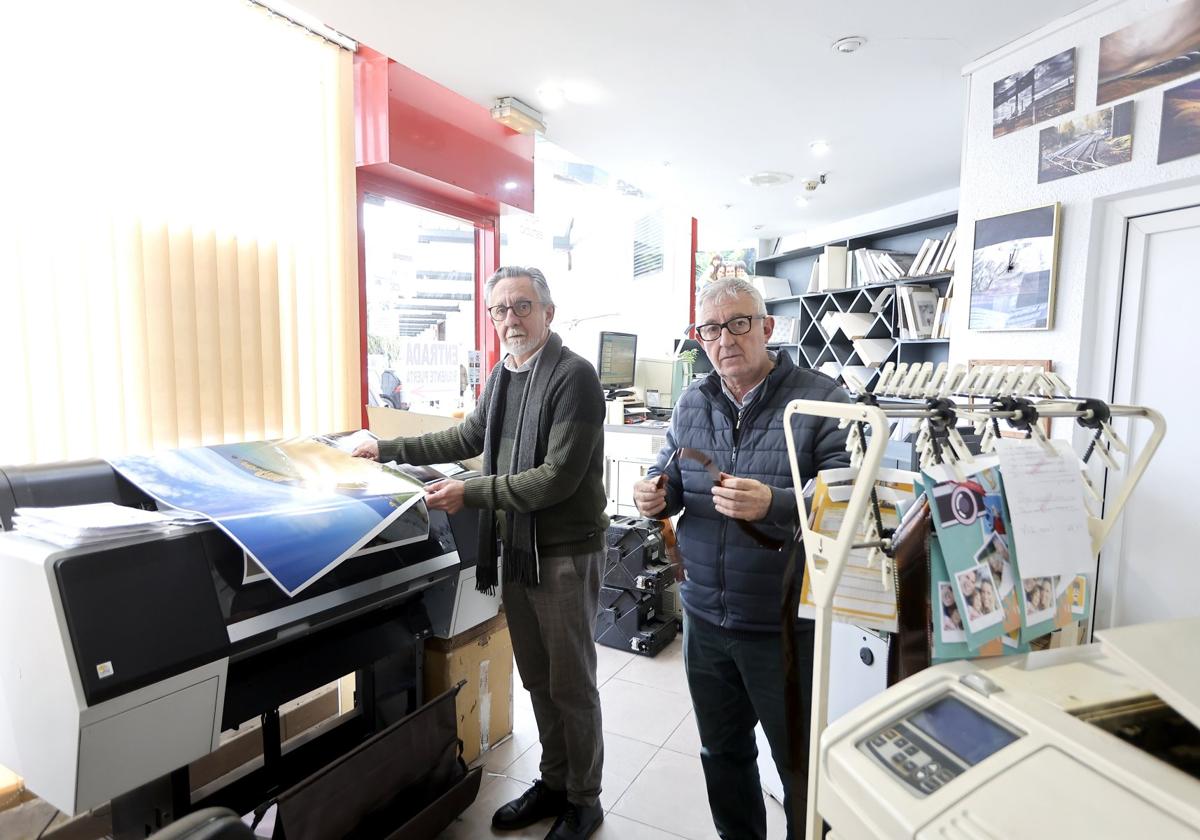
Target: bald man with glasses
(730, 537)
(539, 427)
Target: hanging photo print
(1013, 270)
(1086, 144)
(1157, 49)
(1044, 92)
(1180, 133)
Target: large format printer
(125, 660)
(1096, 741)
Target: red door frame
(487, 260)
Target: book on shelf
(832, 272)
(942, 328)
(943, 264)
(936, 256)
(873, 351)
(771, 287)
(830, 369)
(852, 324)
(881, 301)
(814, 277)
(875, 265)
(858, 377)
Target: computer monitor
(618, 358)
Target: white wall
(916, 210)
(1000, 176)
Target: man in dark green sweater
(539, 427)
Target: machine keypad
(921, 767)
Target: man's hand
(445, 495)
(741, 498)
(650, 495)
(367, 449)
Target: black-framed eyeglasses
(521, 308)
(736, 326)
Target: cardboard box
(11, 788)
(483, 657)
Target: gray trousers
(553, 635)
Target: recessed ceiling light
(510, 185)
(801, 200)
(767, 179)
(849, 44)
(819, 147)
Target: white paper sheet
(1045, 500)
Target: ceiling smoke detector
(767, 179)
(849, 44)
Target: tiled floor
(653, 784)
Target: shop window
(420, 295)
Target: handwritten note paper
(1045, 500)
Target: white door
(1150, 570)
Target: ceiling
(686, 97)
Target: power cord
(53, 817)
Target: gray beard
(522, 346)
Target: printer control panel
(930, 746)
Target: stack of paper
(78, 525)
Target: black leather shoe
(578, 822)
(534, 805)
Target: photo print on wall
(1180, 133)
(1155, 50)
(1014, 267)
(1032, 96)
(1085, 144)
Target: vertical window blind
(178, 251)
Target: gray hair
(535, 276)
(731, 288)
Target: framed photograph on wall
(1014, 268)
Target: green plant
(688, 356)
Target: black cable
(53, 817)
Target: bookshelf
(832, 350)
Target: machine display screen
(962, 730)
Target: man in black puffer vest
(733, 590)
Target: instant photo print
(979, 599)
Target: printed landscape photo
(1032, 96)
(1158, 49)
(1180, 134)
(1085, 144)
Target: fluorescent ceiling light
(819, 147)
(518, 116)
